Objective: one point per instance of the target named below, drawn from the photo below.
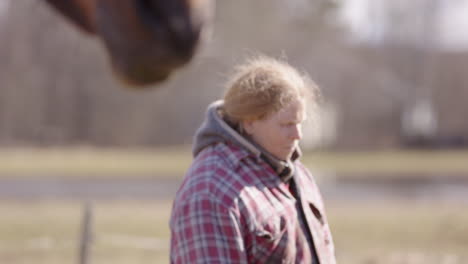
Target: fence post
(86, 236)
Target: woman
(246, 197)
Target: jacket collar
(215, 129)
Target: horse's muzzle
(149, 39)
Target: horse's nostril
(149, 5)
(151, 12)
(174, 20)
(172, 15)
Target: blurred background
(389, 149)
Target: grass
(89, 162)
(48, 232)
(396, 232)
(395, 162)
(137, 232)
(173, 162)
(400, 232)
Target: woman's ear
(246, 126)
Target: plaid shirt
(233, 208)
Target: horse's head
(146, 39)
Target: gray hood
(215, 129)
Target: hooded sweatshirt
(215, 129)
(233, 208)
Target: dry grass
(396, 163)
(400, 232)
(90, 162)
(173, 162)
(395, 232)
(48, 232)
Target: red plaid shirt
(233, 208)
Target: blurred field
(370, 232)
(47, 232)
(173, 162)
(137, 232)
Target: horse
(146, 40)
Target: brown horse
(146, 39)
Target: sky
(452, 27)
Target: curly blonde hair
(262, 86)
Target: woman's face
(280, 132)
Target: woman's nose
(296, 132)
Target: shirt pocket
(316, 212)
(322, 228)
(270, 243)
(269, 229)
